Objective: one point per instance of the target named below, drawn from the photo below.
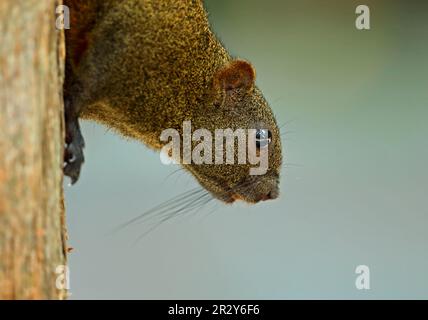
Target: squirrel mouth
(232, 196)
(236, 196)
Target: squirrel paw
(73, 151)
(73, 155)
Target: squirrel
(141, 66)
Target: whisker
(244, 185)
(172, 173)
(276, 100)
(186, 205)
(178, 199)
(251, 185)
(287, 164)
(181, 203)
(196, 204)
(192, 212)
(209, 213)
(287, 133)
(286, 123)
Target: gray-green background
(354, 186)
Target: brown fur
(141, 66)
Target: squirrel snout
(266, 189)
(269, 191)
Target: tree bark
(32, 220)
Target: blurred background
(354, 184)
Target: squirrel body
(142, 66)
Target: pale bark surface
(32, 228)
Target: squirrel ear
(237, 74)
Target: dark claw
(73, 160)
(73, 152)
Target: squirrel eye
(263, 138)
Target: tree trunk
(32, 221)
